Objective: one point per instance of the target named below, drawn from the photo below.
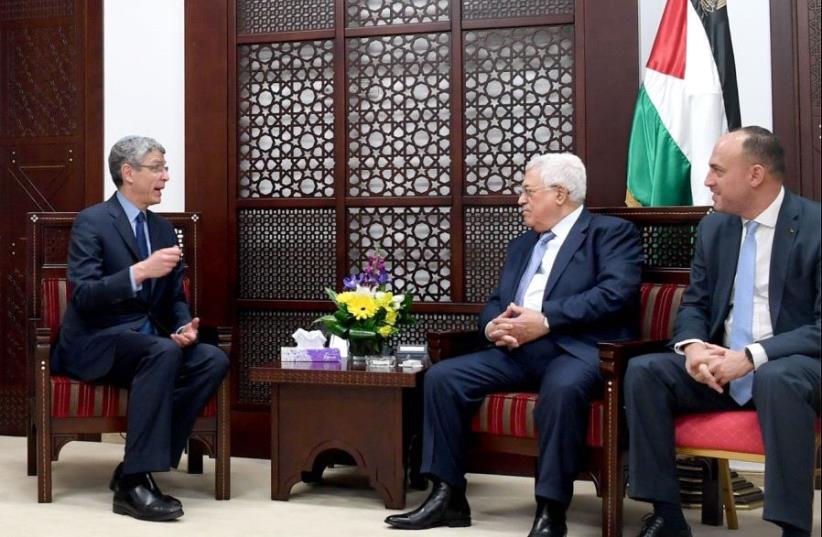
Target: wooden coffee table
(322, 409)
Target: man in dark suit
(128, 324)
(569, 282)
(747, 336)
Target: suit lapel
(123, 226)
(727, 253)
(566, 252)
(787, 226)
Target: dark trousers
(168, 387)
(786, 395)
(455, 388)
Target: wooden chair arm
(614, 356)
(442, 345)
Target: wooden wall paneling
(50, 132)
(785, 88)
(810, 122)
(611, 77)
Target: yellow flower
(361, 306)
(391, 317)
(384, 300)
(343, 298)
(385, 330)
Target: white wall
(144, 79)
(750, 22)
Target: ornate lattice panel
(286, 120)
(496, 9)
(12, 357)
(286, 253)
(398, 115)
(378, 12)
(13, 10)
(433, 322)
(267, 16)
(814, 19)
(261, 334)
(13, 409)
(55, 245)
(519, 102)
(487, 233)
(670, 246)
(34, 59)
(416, 241)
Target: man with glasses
(571, 281)
(128, 324)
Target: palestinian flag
(687, 100)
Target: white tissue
(309, 340)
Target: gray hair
(561, 169)
(131, 150)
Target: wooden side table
(370, 415)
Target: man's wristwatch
(545, 323)
(749, 354)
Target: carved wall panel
(260, 336)
(433, 322)
(286, 253)
(286, 120)
(399, 115)
(519, 102)
(494, 9)
(668, 246)
(487, 232)
(378, 12)
(266, 16)
(36, 57)
(15, 10)
(417, 243)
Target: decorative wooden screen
(401, 125)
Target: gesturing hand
(158, 264)
(187, 334)
(700, 360)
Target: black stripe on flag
(714, 17)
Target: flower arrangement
(367, 312)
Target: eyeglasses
(529, 193)
(154, 168)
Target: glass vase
(369, 351)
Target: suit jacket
(592, 293)
(793, 289)
(103, 304)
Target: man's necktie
(533, 265)
(742, 322)
(142, 247)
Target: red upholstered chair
(733, 435)
(64, 409)
(505, 433)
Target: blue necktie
(742, 322)
(533, 265)
(142, 247)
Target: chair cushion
(726, 431)
(660, 304)
(512, 414)
(71, 398)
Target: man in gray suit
(747, 336)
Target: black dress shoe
(654, 526)
(546, 525)
(148, 481)
(143, 503)
(445, 506)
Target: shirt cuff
(486, 332)
(758, 353)
(134, 286)
(679, 348)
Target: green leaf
(331, 294)
(358, 333)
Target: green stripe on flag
(658, 171)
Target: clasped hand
(516, 326)
(715, 366)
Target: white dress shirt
(762, 327)
(535, 291)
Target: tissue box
(294, 354)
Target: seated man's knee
(776, 377)
(642, 370)
(219, 361)
(164, 349)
